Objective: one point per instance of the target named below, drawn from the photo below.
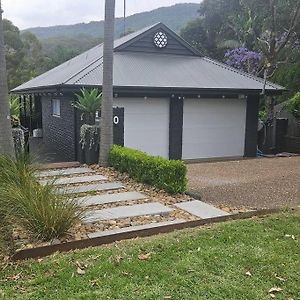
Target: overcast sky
(32, 13)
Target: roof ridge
(83, 69)
(256, 78)
(89, 72)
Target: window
(56, 107)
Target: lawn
(236, 260)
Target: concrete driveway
(253, 183)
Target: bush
(293, 106)
(41, 211)
(169, 175)
(36, 208)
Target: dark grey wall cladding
(59, 133)
(146, 44)
(251, 126)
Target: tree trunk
(106, 132)
(6, 140)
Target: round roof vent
(160, 40)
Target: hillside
(175, 17)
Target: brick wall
(59, 132)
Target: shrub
(89, 103)
(41, 211)
(169, 175)
(293, 106)
(36, 208)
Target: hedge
(169, 175)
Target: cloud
(32, 13)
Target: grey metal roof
(149, 70)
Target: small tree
(89, 103)
(6, 140)
(244, 59)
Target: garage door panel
(213, 128)
(146, 124)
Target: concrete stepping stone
(74, 180)
(64, 172)
(133, 228)
(110, 198)
(91, 188)
(130, 211)
(201, 209)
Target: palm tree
(106, 132)
(6, 140)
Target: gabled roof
(138, 63)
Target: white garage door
(213, 128)
(146, 124)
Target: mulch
(247, 184)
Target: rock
(55, 242)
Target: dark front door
(118, 120)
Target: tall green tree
(106, 133)
(6, 140)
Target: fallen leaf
(272, 296)
(279, 278)
(275, 289)
(290, 236)
(248, 273)
(80, 271)
(80, 265)
(94, 282)
(117, 260)
(167, 297)
(144, 256)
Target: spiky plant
(89, 102)
(14, 107)
(41, 211)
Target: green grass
(207, 263)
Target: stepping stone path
(130, 211)
(99, 187)
(133, 228)
(75, 180)
(110, 198)
(65, 172)
(78, 180)
(201, 209)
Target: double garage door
(211, 127)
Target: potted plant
(89, 102)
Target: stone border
(85, 243)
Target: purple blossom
(243, 59)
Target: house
(176, 102)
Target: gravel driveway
(253, 183)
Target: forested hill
(175, 17)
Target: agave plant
(89, 102)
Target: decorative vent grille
(160, 40)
